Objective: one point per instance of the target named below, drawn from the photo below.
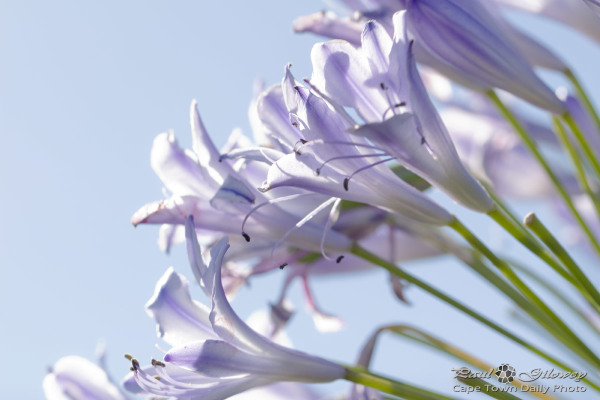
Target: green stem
(585, 146)
(438, 344)
(547, 318)
(591, 293)
(532, 146)
(390, 386)
(522, 235)
(575, 159)
(584, 97)
(556, 293)
(374, 259)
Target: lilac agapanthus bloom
(464, 41)
(74, 377)
(327, 160)
(381, 83)
(573, 13)
(330, 25)
(215, 354)
(221, 195)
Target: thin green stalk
(532, 146)
(489, 389)
(583, 142)
(393, 269)
(522, 235)
(579, 168)
(583, 96)
(390, 386)
(555, 292)
(550, 320)
(591, 293)
(438, 344)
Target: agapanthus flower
(327, 160)
(465, 42)
(216, 354)
(221, 196)
(74, 377)
(330, 25)
(572, 13)
(381, 83)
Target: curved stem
(550, 288)
(547, 318)
(438, 344)
(583, 96)
(393, 269)
(575, 159)
(583, 143)
(590, 292)
(532, 146)
(362, 376)
(517, 230)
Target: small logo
(505, 373)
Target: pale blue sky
(84, 88)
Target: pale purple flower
(493, 152)
(573, 13)
(465, 42)
(327, 160)
(221, 194)
(216, 354)
(330, 25)
(381, 83)
(74, 377)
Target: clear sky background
(84, 89)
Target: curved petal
(75, 377)
(219, 359)
(179, 319)
(464, 37)
(341, 71)
(178, 171)
(326, 23)
(371, 188)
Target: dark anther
(135, 364)
(382, 86)
(246, 236)
(128, 356)
(157, 363)
(282, 266)
(346, 181)
(131, 369)
(339, 259)
(158, 378)
(401, 104)
(220, 158)
(423, 141)
(295, 124)
(318, 171)
(303, 141)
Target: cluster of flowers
(338, 173)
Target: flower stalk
(532, 222)
(362, 376)
(390, 267)
(583, 96)
(545, 316)
(531, 145)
